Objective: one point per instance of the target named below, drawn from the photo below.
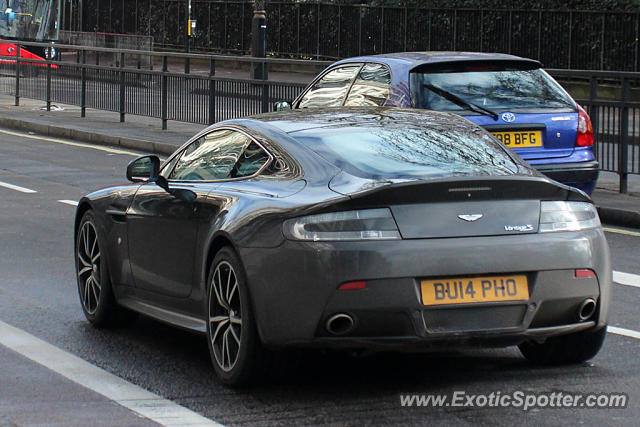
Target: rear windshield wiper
(460, 102)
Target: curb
(87, 136)
(619, 217)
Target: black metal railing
(168, 92)
(612, 99)
(571, 39)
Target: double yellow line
(619, 231)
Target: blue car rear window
(410, 150)
(497, 90)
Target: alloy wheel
(88, 253)
(225, 316)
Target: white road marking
(74, 144)
(624, 332)
(17, 188)
(620, 231)
(143, 402)
(627, 279)
(69, 202)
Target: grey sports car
(347, 228)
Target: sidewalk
(98, 127)
(145, 134)
(616, 208)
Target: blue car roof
(414, 59)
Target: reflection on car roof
(417, 58)
(304, 119)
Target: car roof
(310, 118)
(414, 59)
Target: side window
(168, 167)
(219, 155)
(250, 161)
(371, 88)
(331, 89)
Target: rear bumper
(576, 174)
(294, 290)
(469, 340)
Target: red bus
(29, 20)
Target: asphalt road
(38, 296)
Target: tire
(234, 344)
(565, 349)
(92, 273)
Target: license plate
(531, 138)
(469, 290)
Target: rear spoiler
(480, 64)
(452, 189)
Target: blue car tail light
(584, 135)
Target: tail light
(365, 224)
(584, 137)
(567, 216)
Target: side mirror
(282, 106)
(145, 168)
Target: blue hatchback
(512, 97)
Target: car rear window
(488, 87)
(410, 150)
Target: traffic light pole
(187, 42)
(259, 40)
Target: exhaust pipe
(586, 309)
(340, 324)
